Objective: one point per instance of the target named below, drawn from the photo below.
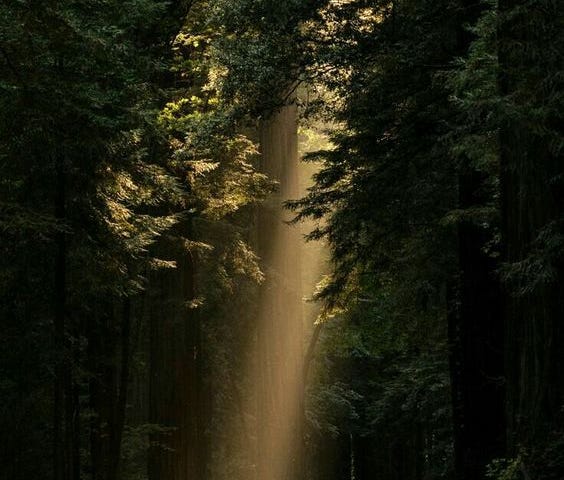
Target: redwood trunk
(280, 329)
(175, 382)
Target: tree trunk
(475, 323)
(175, 384)
(280, 328)
(532, 202)
(66, 440)
(479, 341)
(102, 334)
(59, 324)
(117, 432)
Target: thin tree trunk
(175, 384)
(101, 401)
(280, 323)
(117, 431)
(59, 437)
(476, 328)
(480, 344)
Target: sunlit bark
(280, 322)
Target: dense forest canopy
(281, 240)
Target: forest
(281, 240)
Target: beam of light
(263, 437)
(279, 380)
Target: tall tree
(280, 320)
(476, 326)
(530, 38)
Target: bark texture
(280, 329)
(175, 369)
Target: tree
(531, 188)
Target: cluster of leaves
(385, 200)
(502, 469)
(378, 190)
(418, 113)
(111, 133)
(382, 377)
(500, 84)
(74, 163)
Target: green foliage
(534, 102)
(89, 115)
(333, 409)
(129, 125)
(388, 160)
(502, 469)
(135, 445)
(386, 201)
(73, 137)
(380, 378)
(260, 51)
